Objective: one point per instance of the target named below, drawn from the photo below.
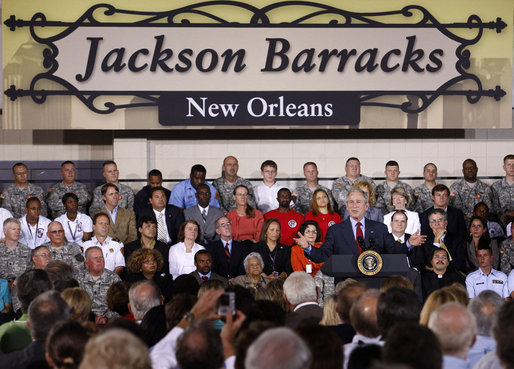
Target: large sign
(261, 73)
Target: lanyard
(35, 231)
(73, 233)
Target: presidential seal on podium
(369, 262)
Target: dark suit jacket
(220, 264)
(431, 282)
(174, 219)
(208, 228)
(213, 276)
(162, 279)
(159, 246)
(124, 230)
(416, 255)
(282, 261)
(454, 245)
(142, 202)
(456, 225)
(305, 314)
(32, 356)
(341, 241)
(345, 331)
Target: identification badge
(308, 268)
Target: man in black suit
(440, 276)
(352, 236)
(203, 272)
(142, 199)
(399, 242)
(169, 218)
(456, 225)
(227, 254)
(301, 296)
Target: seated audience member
(154, 325)
(15, 335)
(253, 278)
(33, 225)
(290, 220)
(455, 327)
(507, 258)
(396, 281)
(456, 225)
(142, 199)
(365, 357)
(227, 253)
(4, 215)
(503, 332)
(111, 175)
(423, 193)
(277, 257)
(439, 275)
(299, 262)
(274, 292)
(40, 257)
(179, 305)
(204, 214)
(79, 303)
(117, 299)
(400, 200)
(246, 221)
(346, 297)
(77, 226)
(228, 181)
(128, 352)
(203, 272)
(15, 257)
(495, 229)
(363, 317)
(330, 316)
(122, 222)
(143, 295)
(503, 201)
(168, 218)
(68, 185)
(46, 310)
(322, 212)
(96, 281)
(412, 345)
(486, 277)
(65, 345)
(372, 213)
(61, 249)
(183, 193)
(61, 275)
(485, 308)
(384, 189)
(302, 300)
(112, 250)
(324, 344)
(479, 238)
(147, 230)
(326, 286)
(303, 194)
(6, 310)
(182, 255)
(147, 264)
(267, 191)
(434, 300)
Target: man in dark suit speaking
(353, 235)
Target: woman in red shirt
(246, 221)
(322, 212)
(299, 262)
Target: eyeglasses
(59, 231)
(311, 231)
(442, 257)
(439, 221)
(225, 224)
(43, 255)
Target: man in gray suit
(203, 272)
(204, 214)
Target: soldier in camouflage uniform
(226, 184)
(15, 196)
(507, 253)
(68, 185)
(96, 280)
(503, 193)
(302, 195)
(423, 193)
(469, 191)
(383, 190)
(15, 257)
(60, 249)
(111, 174)
(344, 184)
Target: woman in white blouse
(182, 254)
(400, 200)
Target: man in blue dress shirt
(183, 194)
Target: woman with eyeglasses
(299, 262)
(246, 221)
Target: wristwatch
(189, 316)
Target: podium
(345, 266)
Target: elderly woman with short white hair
(253, 278)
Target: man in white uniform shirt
(266, 192)
(112, 250)
(77, 226)
(485, 277)
(34, 226)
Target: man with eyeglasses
(61, 249)
(227, 254)
(439, 276)
(41, 257)
(111, 175)
(14, 256)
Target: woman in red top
(246, 221)
(322, 212)
(299, 262)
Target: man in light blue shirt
(183, 193)
(486, 278)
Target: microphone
(360, 241)
(372, 243)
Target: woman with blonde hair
(79, 302)
(434, 300)
(330, 316)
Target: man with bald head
(423, 192)
(469, 191)
(61, 249)
(228, 181)
(455, 327)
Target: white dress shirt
(74, 230)
(34, 236)
(182, 262)
(112, 251)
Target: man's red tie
(205, 278)
(227, 252)
(359, 234)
